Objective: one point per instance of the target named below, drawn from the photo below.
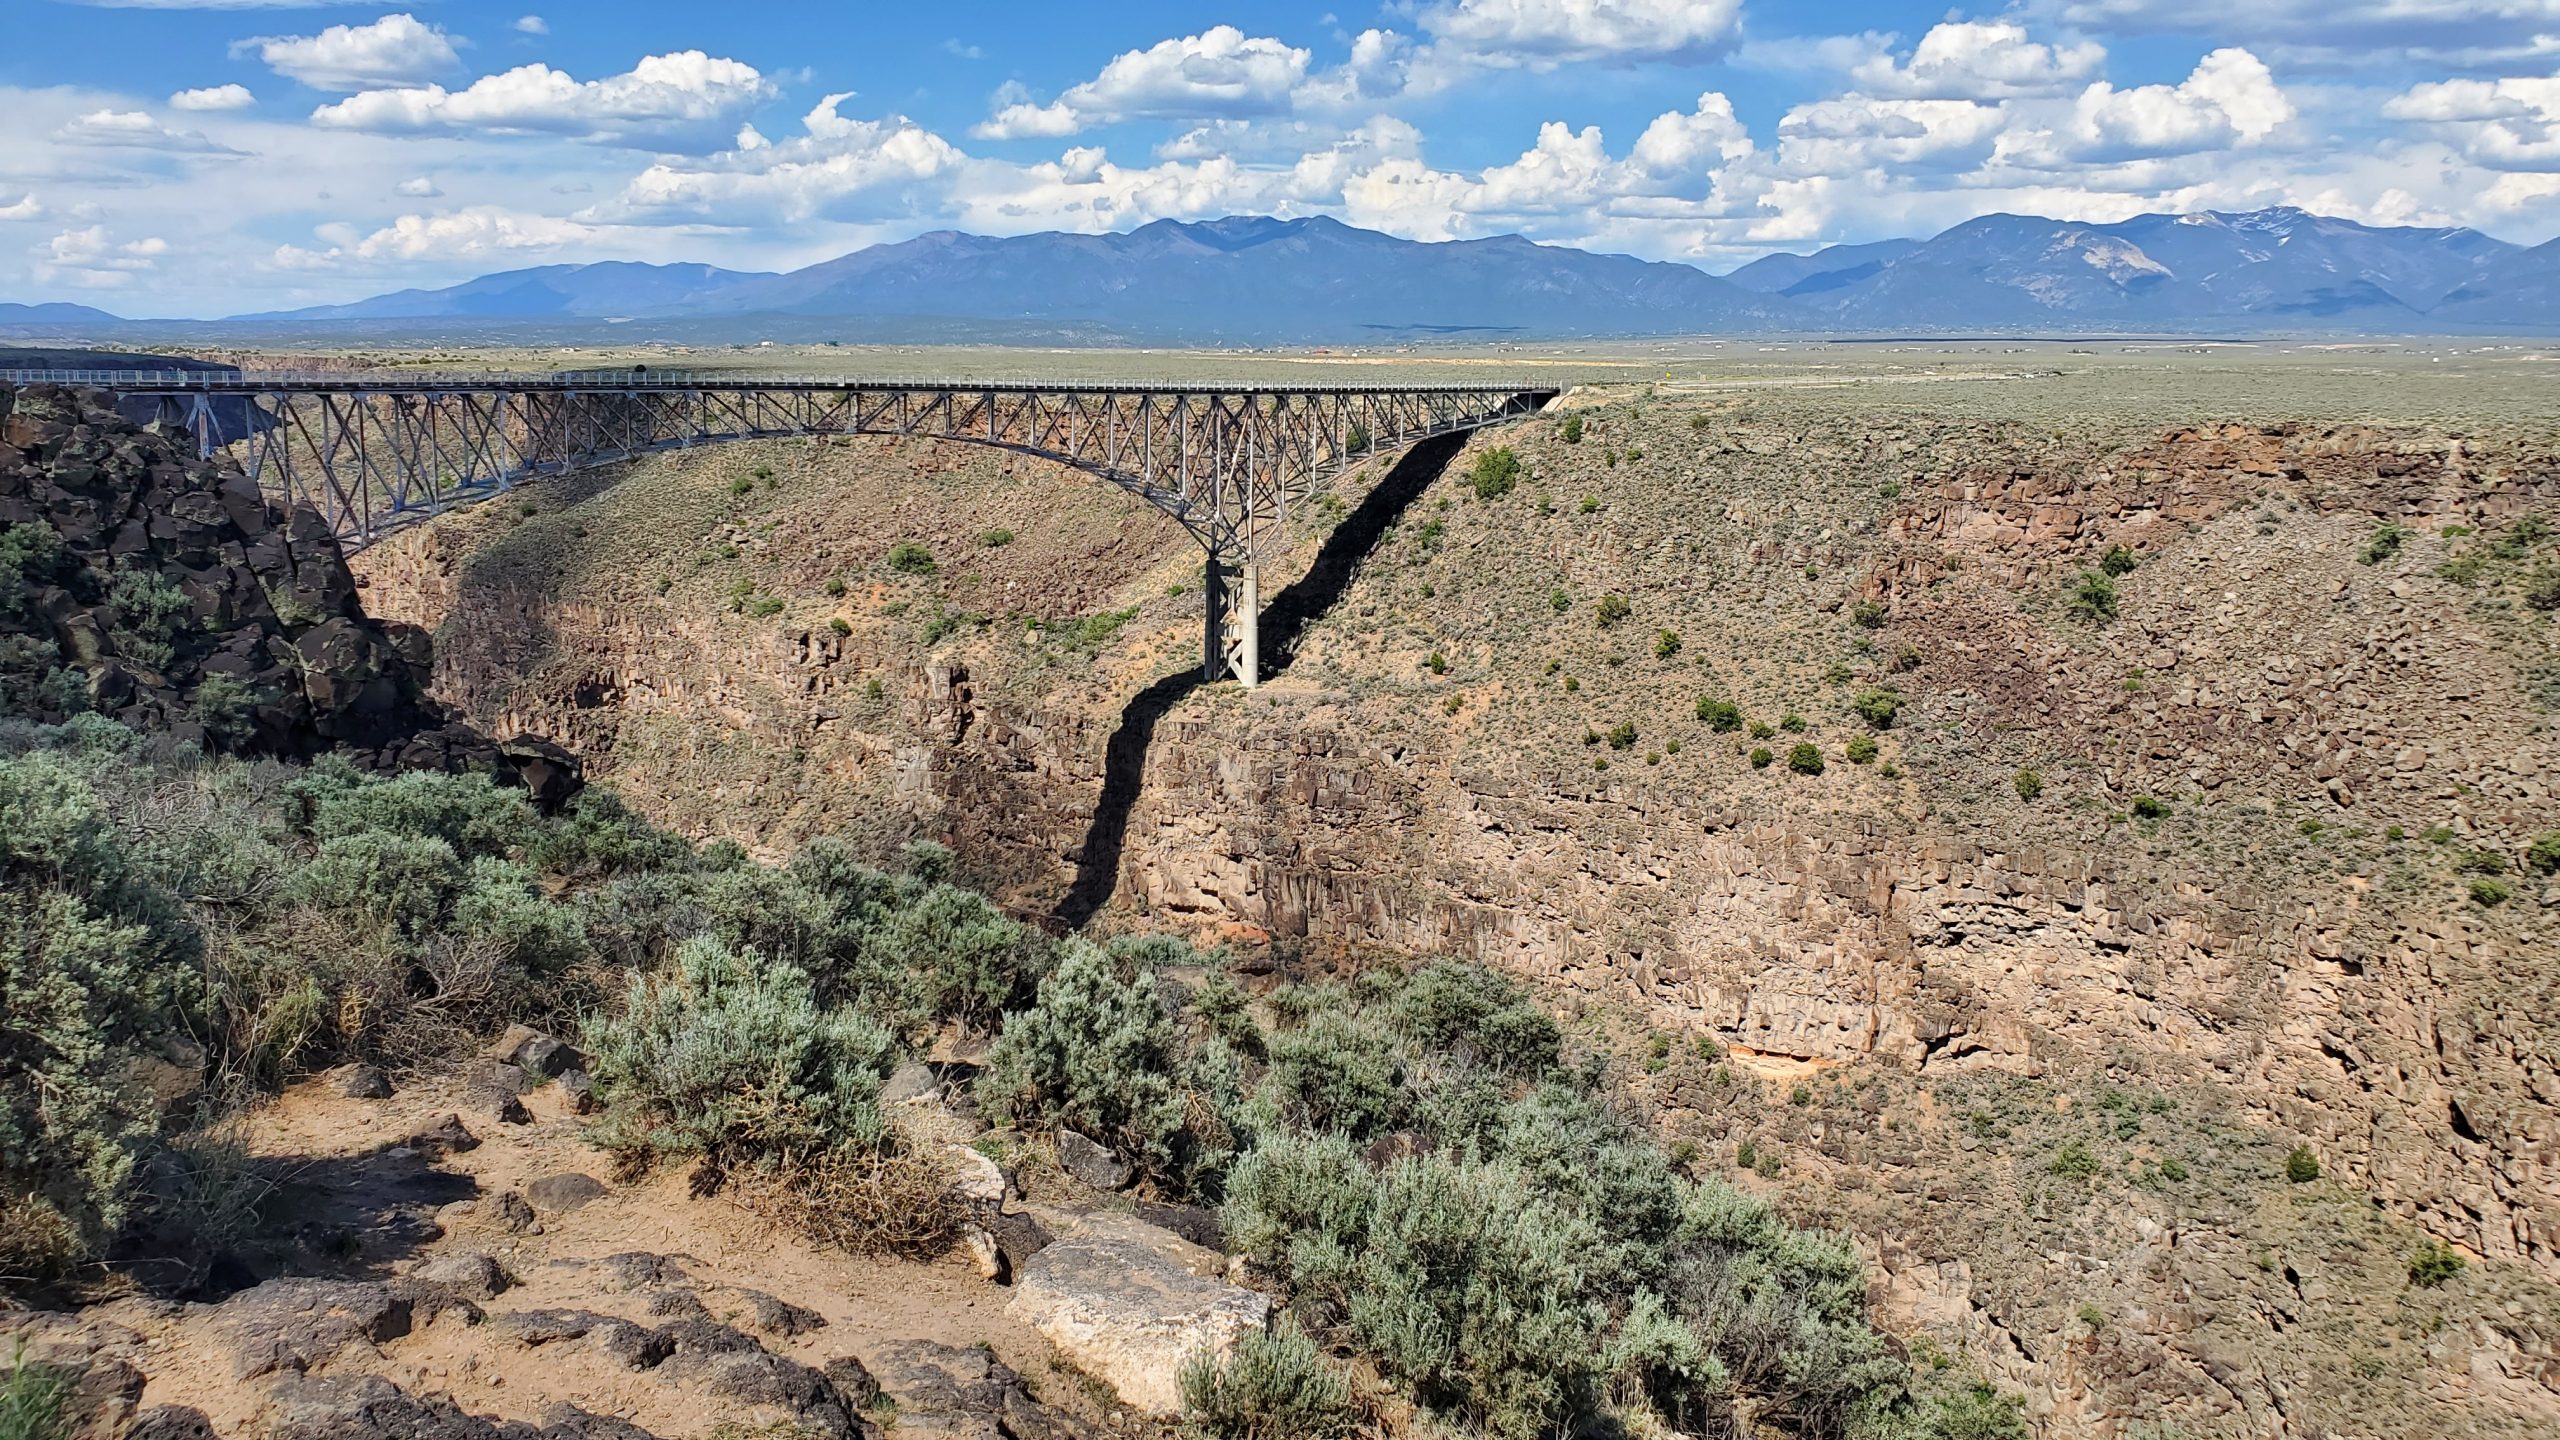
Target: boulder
(441, 1138)
(362, 1082)
(578, 1091)
(368, 1407)
(171, 1422)
(469, 1274)
(294, 1324)
(510, 1211)
(1129, 1303)
(944, 1390)
(559, 1194)
(775, 1316)
(1090, 1161)
(534, 1053)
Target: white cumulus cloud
(687, 99)
(1980, 60)
(2229, 99)
(1543, 34)
(135, 130)
(214, 97)
(1220, 71)
(836, 168)
(395, 49)
(532, 25)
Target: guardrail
(395, 381)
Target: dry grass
(897, 1201)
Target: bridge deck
(374, 450)
(622, 382)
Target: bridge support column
(1233, 643)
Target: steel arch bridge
(375, 452)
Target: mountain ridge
(1251, 279)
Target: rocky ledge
(166, 590)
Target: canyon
(2031, 986)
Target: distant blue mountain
(21, 317)
(1256, 280)
(1243, 279)
(2520, 290)
(1830, 268)
(2279, 268)
(604, 290)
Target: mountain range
(1256, 280)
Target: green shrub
(1610, 609)
(839, 626)
(2385, 543)
(2542, 588)
(1666, 643)
(149, 612)
(2434, 1263)
(1805, 758)
(1340, 1073)
(36, 1398)
(741, 486)
(836, 588)
(1472, 1292)
(1590, 504)
(733, 1058)
(2073, 1161)
(2302, 1166)
(1496, 473)
(2542, 855)
(1276, 1386)
(1861, 749)
(2029, 784)
(96, 962)
(1760, 757)
(1867, 614)
(1559, 602)
(2117, 561)
(995, 539)
(1792, 723)
(1877, 707)
(1571, 431)
(1974, 1412)
(909, 558)
(1478, 1016)
(1622, 736)
(1096, 1051)
(1436, 663)
(2488, 894)
(2093, 596)
(2146, 808)
(966, 960)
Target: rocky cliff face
(2132, 894)
(166, 591)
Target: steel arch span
(375, 452)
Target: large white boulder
(1129, 1303)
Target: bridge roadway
(375, 451)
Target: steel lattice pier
(375, 452)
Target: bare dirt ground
(355, 1200)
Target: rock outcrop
(167, 591)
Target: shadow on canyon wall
(1284, 625)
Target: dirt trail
(350, 1183)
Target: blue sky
(200, 157)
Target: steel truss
(373, 454)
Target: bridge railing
(395, 381)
